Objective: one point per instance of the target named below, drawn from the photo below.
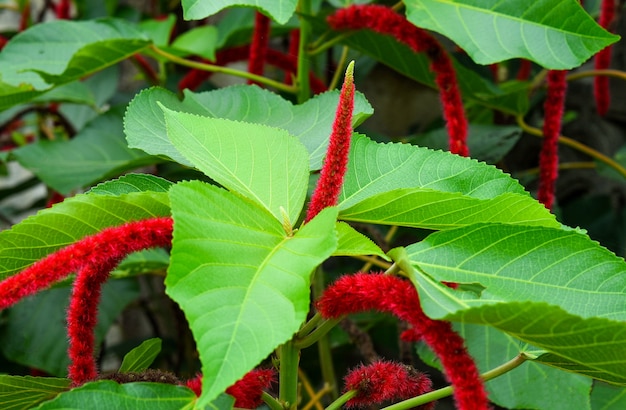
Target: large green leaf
(351, 243)
(262, 163)
(310, 122)
(25, 392)
(97, 152)
(279, 10)
(431, 209)
(496, 31)
(242, 282)
(62, 51)
(607, 397)
(21, 334)
(554, 289)
(76, 217)
(414, 186)
(529, 386)
(106, 394)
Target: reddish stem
(549, 156)
(384, 20)
(258, 48)
(335, 164)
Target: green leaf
(310, 122)
(529, 386)
(129, 183)
(73, 219)
(486, 143)
(141, 357)
(554, 289)
(262, 163)
(111, 395)
(607, 397)
(148, 261)
(76, 92)
(245, 295)
(376, 168)
(62, 51)
(200, 41)
(491, 32)
(21, 334)
(431, 209)
(25, 392)
(99, 151)
(352, 242)
(159, 31)
(279, 10)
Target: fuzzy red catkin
(384, 381)
(553, 116)
(294, 48)
(259, 45)
(335, 164)
(384, 20)
(603, 60)
(63, 9)
(391, 294)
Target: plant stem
(576, 145)
(373, 261)
(317, 334)
(330, 43)
(343, 399)
(340, 65)
(288, 375)
(271, 402)
(595, 73)
(225, 70)
(302, 75)
(447, 391)
(323, 344)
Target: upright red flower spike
(335, 164)
(391, 294)
(385, 381)
(603, 60)
(384, 20)
(549, 156)
(258, 48)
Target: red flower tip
(258, 48)
(384, 381)
(195, 384)
(329, 185)
(549, 157)
(249, 389)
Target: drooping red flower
(335, 164)
(258, 47)
(603, 59)
(385, 381)
(249, 389)
(195, 384)
(294, 48)
(391, 294)
(523, 72)
(553, 116)
(384, 20)
(62, 9)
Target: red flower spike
(384, 20)
(294, 48)
(258, 48)
(335, 164)
(603, 60)
(63, 9)
(391, 294)
(249, 389)
(549, 156)
(525, 67)
(111, 243)
(195, 384)
(384, 381)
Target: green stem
(224, 70)
(340, 68)
(447, 391)
(323, 344)
(330, 43)
(271, 402)
(304, 89)
(341, 400)
(317, 334)
(288, 375)
(309, 326)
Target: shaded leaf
(279, 10)
(242, 283)
(607, 397)
(310, 122)
(99, 151)
(141, 357)
(25, 392)
(200, 41)
(131, 183)
(496, 31)
(262, 163)
(21, 334)
(110, 395)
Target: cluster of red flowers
(391, 294)
(247, 391)
(384, 20)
